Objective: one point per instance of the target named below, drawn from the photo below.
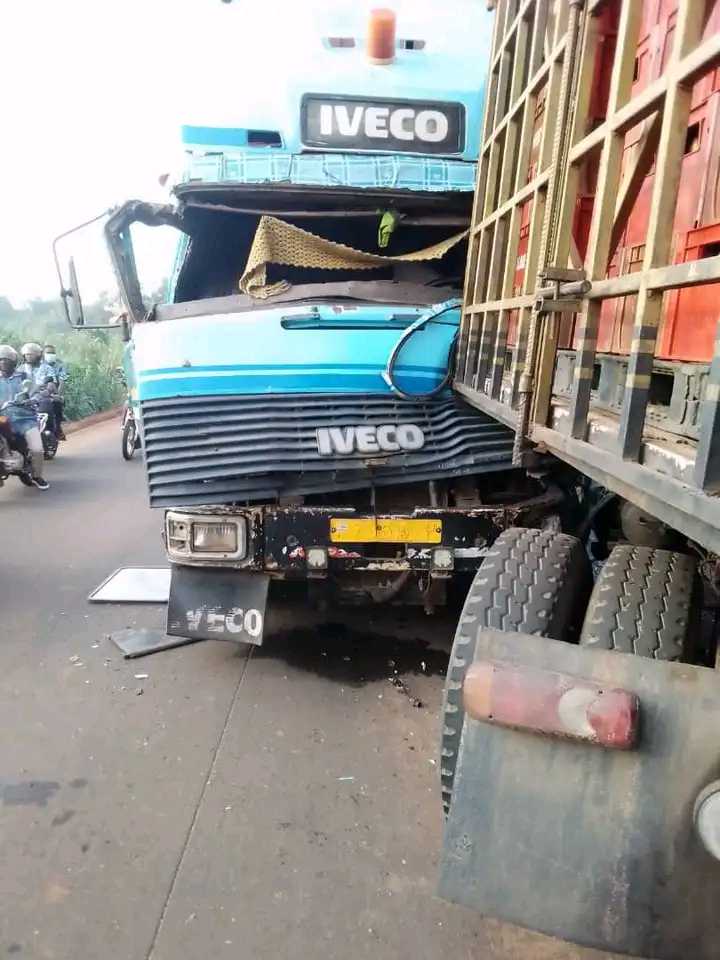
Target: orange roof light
(381, 36)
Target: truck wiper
(316, 321)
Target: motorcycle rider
(23, 422)
(34, 367)
(40, 374)
(51, 358)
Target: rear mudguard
(593, 845)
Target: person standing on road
(23, 422)
(51, 358)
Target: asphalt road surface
(283, 804)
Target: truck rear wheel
(645, 602)
(531, 581)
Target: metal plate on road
(139, 642)
(590, 845)
(384, 530)
(213, 604)
(134, 585)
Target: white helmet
(7, 353)
(31, 350)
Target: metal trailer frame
(551, 46)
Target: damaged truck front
(296, 418)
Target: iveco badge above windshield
(388, 438)
(399, 126)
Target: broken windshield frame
(119, 241)
(420, 210)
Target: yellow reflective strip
(642, 346)
(385, 530)
(638, 381)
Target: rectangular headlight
(205, 538)
(214, 538)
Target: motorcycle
(14, 454)
(43, 403)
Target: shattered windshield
(238, 251)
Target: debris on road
(134, 585)
(403, 688)
(138, 642)
(142, 676)
(139, 692)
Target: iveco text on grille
(368, 439)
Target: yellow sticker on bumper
(384, 530)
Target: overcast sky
(93, 93)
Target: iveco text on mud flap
(236, 611)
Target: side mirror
(72, 299)
(89, 233)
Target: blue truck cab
(292, 391)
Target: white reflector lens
(317, 557)
(443, 559)
(707, 818)
(214, 538)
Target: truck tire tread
(645, 602)
(531, 581)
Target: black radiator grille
(210, 450)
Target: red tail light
(555, 704)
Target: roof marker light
(381, 36)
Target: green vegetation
(91, 358)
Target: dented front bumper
(299, 542)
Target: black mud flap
(592, 845)
(211, 604)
